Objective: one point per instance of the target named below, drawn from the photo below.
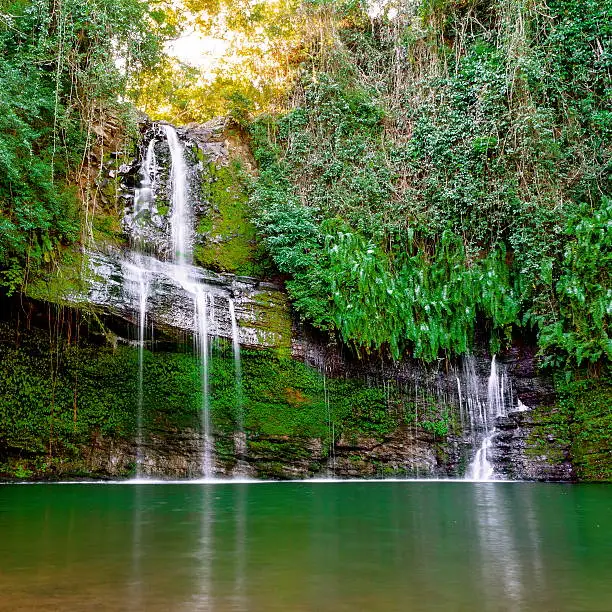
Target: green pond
(350, 546)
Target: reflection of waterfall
(135, 594)
(240, 599)
(482, 414)
(205, 599)
(497, 525)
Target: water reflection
(203, 598)
(240, 599)
(500, 565)
(135, 582)
(242, 548)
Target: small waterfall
(331, 429)
(137, 277)
(481, 469)
(142, 315)
(143, 196)
(240, 437)
(482, 415)
(495, 391)
(181, 218)
(201, 342)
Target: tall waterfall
(181, 218)
(482, 414)
(151, 230)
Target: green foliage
(58, 74)
(446, 167)
(59, 400)
(584, 291)
(35, 215)
(588, 401)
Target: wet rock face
(117, 280)
(178, 455)
(533, 446)
(120, 284)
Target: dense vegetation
(63, 68)
(61, 400)
(445, 166)
(423, 169)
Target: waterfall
(201, 342)
(482, 415)
(181, 222)
(142, 314)
(181, 218)
(331, 430)
(481, 469)
(240, 438)
(495, 391)
(138, 280)
(143, 196)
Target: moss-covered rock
(227, 239)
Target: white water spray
(240, 438)
(482, 416)
(201, 345)
(142, 315)
(143, 196)
(180, 219)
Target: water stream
(180, 246)
(482, 415)
(239, 436)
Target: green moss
(273, 324)
(53, 410)
(228, 237)
(580, 424)
(590, 402)
(63, 280)
(550, 436)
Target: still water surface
(306, 547)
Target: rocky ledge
(117, 281)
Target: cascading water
(143, 292)
(143, 196)
(139, 281)
(177, 240)
(240, 436)
(482, 415)
(202, 348)
(180, 219)
(331, 432)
